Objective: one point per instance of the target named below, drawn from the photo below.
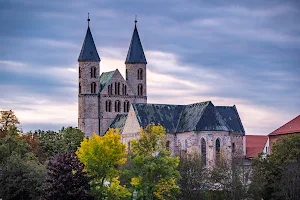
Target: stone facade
(88, 115)
(129, 96)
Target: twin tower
(101, 99)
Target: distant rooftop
(292, 126)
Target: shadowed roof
(119, 122)
(231, 117)
(104, 78)
(135, 52)
(292, 126)
(255, 145)
(165, 115)
(88, 50)
(182, 118)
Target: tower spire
(135, 52)
(88, 51)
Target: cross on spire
(135, 20)
(88, 19)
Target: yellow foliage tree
(102, 156)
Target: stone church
(110, 100)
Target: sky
(243, 53)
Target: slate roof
(104, 78)
(88, 50)
(202, 116)
(165, 115)
(255, 144)
(292, 126)
(231, 117)
(119, 122)
(135, 52)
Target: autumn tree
(8, 120)
(153, 169)
(102, 157)
(65, 178)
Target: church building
(110, 100)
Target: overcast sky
(243, 53)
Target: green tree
(269, 175)
(102, 157)
(153, 169)
(71, 138)
(65, 178)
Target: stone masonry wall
(132, 78)
(88, 114)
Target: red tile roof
(255, 144)
(292, 126)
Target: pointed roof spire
(88, 50)
(135, 52)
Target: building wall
(131, 130)
(106, 118)
(88, 113)
(193, 141)
(132, 79)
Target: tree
(65, 178)
(71, 138)
(21, 178)
(269, 175)
(8, 120)
(194, 177)
(153, 169)
(102, 157)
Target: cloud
(238, 52)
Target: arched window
(140, 90)
(126, 74)
(93, 72)
(168, 145)
(218, 151)
(119, 88)
(117, 106)
(124, 89)
(203, 152)
(79, 88)
(79, 72)
(93, 88)
(126, 106)
(109, 88)
(140, 74)
(108, 106)
(233, 147)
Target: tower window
(117, 88)
(79, 88)
(93, 72)
(140, 90)
(124, 89)
(79, 72)
(126, 106)
(233, 147)
(126, 74)
(218, 150)
(203, 152)
(108, 106)
(117, 106)
(93, 88)
(140, 74)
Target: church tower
(136, 68)
(88, 85)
